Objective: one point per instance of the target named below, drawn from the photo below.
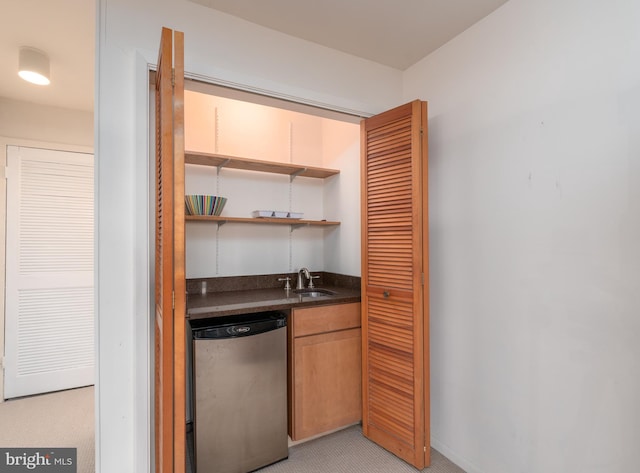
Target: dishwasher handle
(239, 328)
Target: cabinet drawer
(327, 318)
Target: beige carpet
(347, 451)
(66, 419)
(61, 419)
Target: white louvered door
(49, 336)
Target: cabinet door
(394, 271)
(326, 377)
(170, 386)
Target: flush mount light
(33, 66)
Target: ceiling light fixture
(33, 66)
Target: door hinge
(6, 172)
(173, 77)
(173, 300)
(2, 363)
(425, 449)
(422, 279)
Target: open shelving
(234, 162)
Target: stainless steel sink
(313, 292)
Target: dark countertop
(217, 304)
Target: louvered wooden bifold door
(170, 386)
(394, 279)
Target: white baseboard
(454, 457)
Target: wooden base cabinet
(325, 369)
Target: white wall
(44, 123)
(27, 124)
(342, 197)
(535, 223)
(217, 46)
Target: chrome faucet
(305, 272)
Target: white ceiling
(397, 33)
(65, 30)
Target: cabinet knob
(386, 294)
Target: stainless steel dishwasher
(240, 392)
